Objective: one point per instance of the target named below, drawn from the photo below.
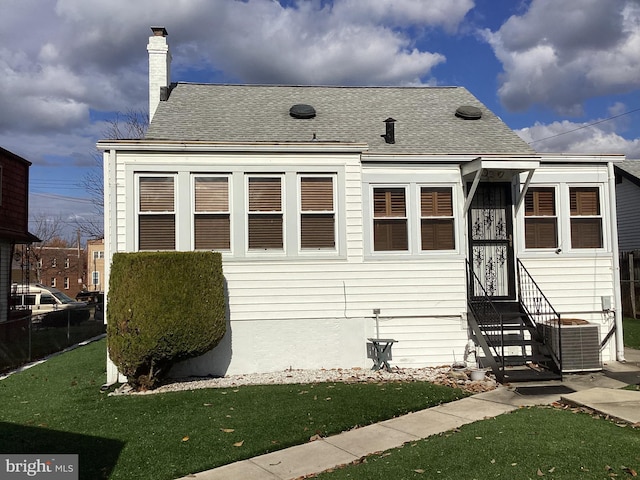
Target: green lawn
(57, 407)
(631, 328)
(529, 443)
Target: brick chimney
(159, 66)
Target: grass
(14, 341)
(57, 407)
(541, 442)
(631, 327)
(529, 443)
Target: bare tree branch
(125, 126)
(50, 231)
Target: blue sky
(564, 75)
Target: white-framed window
(585, 217)
(66, 262)
(95, 278)
(265, 214)
(98, 254)
(317, 207)
(156, 212)
(53, 282)
(540, 218)
(437, 222)
(54, 262)
(390, 220)
(66, 283)
(211, 212)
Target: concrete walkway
(599, 391)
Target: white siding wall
(575, 280)
(316, 311)
(628, 200)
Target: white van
(49, 305)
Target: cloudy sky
(564, 74)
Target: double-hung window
(437, 225)
(265, 214)
(212, 224)
(390, 229)
(586, 217)
(317, 213)
(540, 220)
(156, 213)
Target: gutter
(616, 264)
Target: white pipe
(617, 301)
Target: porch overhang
(497, 170)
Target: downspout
(616, 264)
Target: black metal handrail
(540, 311)
(485, 314)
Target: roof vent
(302, 110)
(390, 134)
(468, 112)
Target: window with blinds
(541, 221)
(265, 214)
(156, 214)
(586, 217)
(390, 219)
(212, 220)
(437, 227)
(317, 213)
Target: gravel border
(442, 375)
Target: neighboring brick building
(14, 218)
(61, 267)
(95, 264)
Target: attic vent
(302, 110)
(468, 112)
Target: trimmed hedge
(163, 307)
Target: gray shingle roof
(630, 166)
(425, 118)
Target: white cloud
(570, 137)
(61, 59)
(558, 54)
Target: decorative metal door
(491, 241)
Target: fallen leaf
(539, 473)
(552, 469)
(478, 438)
(493, 460)
(227, 430)
(630, 471)
(238, 444)
(207, 404)
(419, 470)
(513, 464)
(185, 439)
(314, 438)
(328, 398)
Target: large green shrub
(163, 307)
